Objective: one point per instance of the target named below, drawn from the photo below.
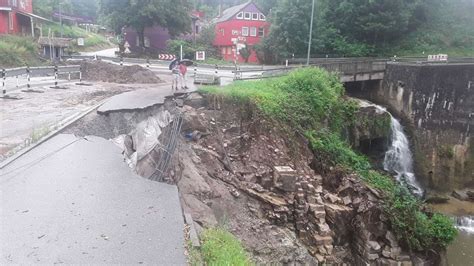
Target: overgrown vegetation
(17, 51)
(353, 28)
(90, 38)
(219, 247)
(312, 101)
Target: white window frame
(245, 31)
(262, 31)
(249, 17)
(253, 31)
(240, 15)
(256, 16)
(262, 17)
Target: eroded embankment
(249, 174)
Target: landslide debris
(106, 72)
(246, 174)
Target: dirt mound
(106, 72)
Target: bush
(220, 247)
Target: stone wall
(436, 103)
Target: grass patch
(219, 247)
(312, 102)
(18, 51)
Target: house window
(247, 15)
(262, 17)
(240, 15)
(254, 16)
(261, 32)
(253, 31)
(245, 31)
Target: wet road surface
(74, 200)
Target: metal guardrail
(29, 72)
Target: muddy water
(461, 251)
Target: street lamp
(310, 34)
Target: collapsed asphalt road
(74, 200)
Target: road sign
(80, 41)
(438, 57)
(167, 57)
(126, 45)
(200, 55)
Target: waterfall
(399, 159)
(466, 224)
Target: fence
(21, 73)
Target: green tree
(173, 15)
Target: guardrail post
(69, 76)
(217, 70)
(28, 77)
(121, 60)
(148, 63)
(195, 71)
(4, 83)
(95, 57)
(55, 76)
(80, 74)
(17, 82)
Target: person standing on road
(183, 69)
(176, 75)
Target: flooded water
(461, 251)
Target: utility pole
(310, 34)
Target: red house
(16, 17)
(238, 27)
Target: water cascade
(465, 224)
(399, 159)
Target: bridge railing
(346, 66)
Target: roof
(33, 16)
(57, 42)
(230, 12)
